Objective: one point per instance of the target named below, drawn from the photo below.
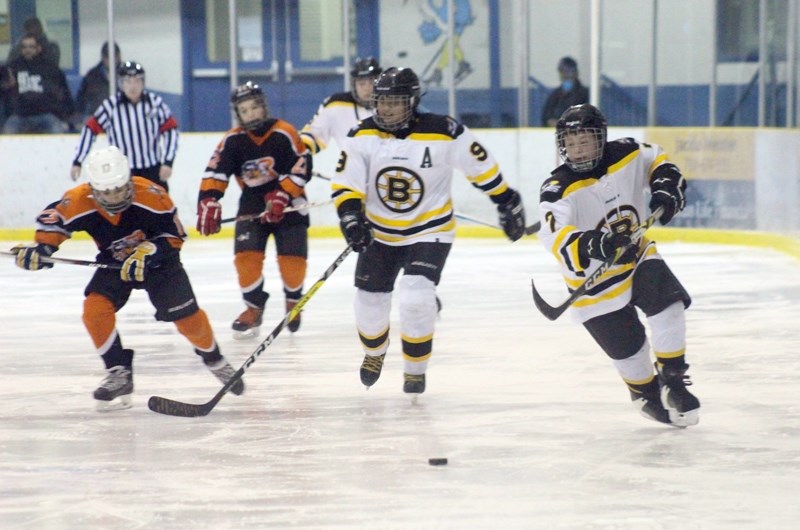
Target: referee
(136, 121)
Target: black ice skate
(114, 392)
(246, 325)
(650, 407)
(413, 384)
(294, 324)
(683, 407)
(371, 369)
(224, 372)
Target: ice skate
(413, 384)
(114, 392)
(371, 369)
(681, 405)
(246, 325)
(650, 407)
(224, 371)
(294, 324)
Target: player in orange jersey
(134, 224)
(272, 166)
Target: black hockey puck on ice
(437, 461)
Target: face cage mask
(399, 122)
(116, 200)
(254, 124)
(368, 103)
(592, 158)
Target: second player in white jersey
(393, 185)
(344, 110)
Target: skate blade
(120, 403)
(684, 419)
(246, 334)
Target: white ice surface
(535, 422)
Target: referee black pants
(151, 173)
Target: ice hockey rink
(535, 423)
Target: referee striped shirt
(146, 132)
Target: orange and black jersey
(261, 160)
(152, 216)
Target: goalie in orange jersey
(136, 228)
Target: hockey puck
(437, 461)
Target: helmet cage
(246, 92)
(398, 87)
(583, 157)
(393, 122)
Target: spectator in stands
(50, 49)
(42, 102)
(95, 84)
(570, 92)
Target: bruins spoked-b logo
(399, 188)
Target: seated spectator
(95, 84)
(50, 49)
(570, 92)
(42, 102)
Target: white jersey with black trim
(335, 117)
(405, 179)
(612, 197)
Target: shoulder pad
(340, 97)
(439, 124)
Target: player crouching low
(134, 223)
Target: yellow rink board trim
(787, 245)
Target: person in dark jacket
(95, 86)
(51, 51)
(42, 102)
(570, 92)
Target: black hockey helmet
(587, 122)
(130, 69)
(247, 91)
(364, 68)
(397, 85)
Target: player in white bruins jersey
(393, 185)
(136, 228)
(589, 207)
(342, 111)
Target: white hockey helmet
(109, 176)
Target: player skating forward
(588, 209)
(393, 183)
(342, 111)
(272, 166)
(134, 223)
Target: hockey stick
(529, 230)
(189, 410)
(553, 312)
(69, 261)
(253, 216)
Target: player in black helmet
(392, 191)
(272, 166)
(340, 112)
(590, 207)
(138, 122)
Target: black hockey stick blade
(553, 312)
(171, 407)
(534, 228)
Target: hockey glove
(512, 216)
(275, 202)
(142, 259)
(667, 187)
(209, 216)
(29, 256)
(356, 229)
(596, 244)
